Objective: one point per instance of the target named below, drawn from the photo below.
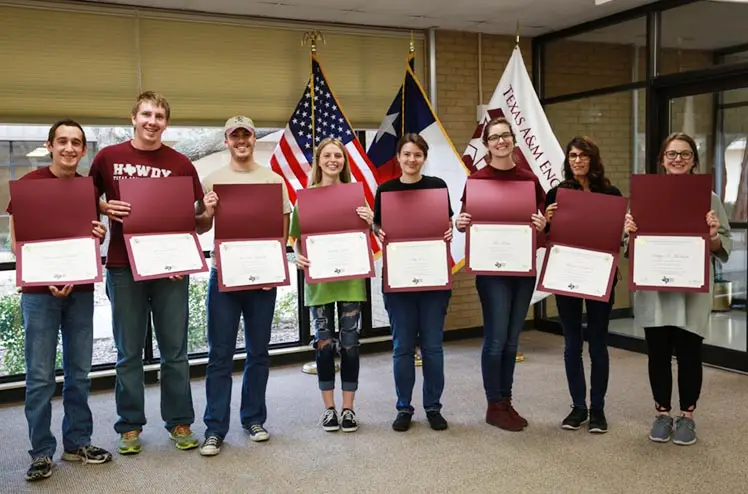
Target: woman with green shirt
(331, 167)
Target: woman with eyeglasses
(676, 322)
(584, 170)
(504, 300)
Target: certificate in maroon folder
(328, 211)
(160, 232)
(508, 205)
(36, 204)
(411, 219)
(590, 225)
(249, 218)
(670, 206)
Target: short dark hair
(679, 136)
(596, 173)
(64, 123)
(414, 139)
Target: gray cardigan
(686, 310)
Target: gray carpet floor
(470, 457)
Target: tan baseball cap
(239, 122)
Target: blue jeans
(167, 301)
(418, 318)
(504, 301)
(44, 317)
(323, 322)
(598, 318)
(224, 312)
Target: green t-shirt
(328, 291)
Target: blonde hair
(156, 99)
(316, 173)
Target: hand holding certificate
(416, 256)
(160, 230)
(55, 249)
(334, 238)
(584, 243)
(501, 239)
(669, 250)
(249, 248)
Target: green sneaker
(184, 437)
(129, 443)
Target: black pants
(662, 342)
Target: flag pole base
(418, 360)
(311, 368)
(520, 357)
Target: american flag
(292, 158)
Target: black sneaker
(402, 421)
(88, 454)
(348, 421)
(575, 419)
(598, 424)
(436, 421)
(258, 433)
(40, 469)
(211, 446)
(330, 420)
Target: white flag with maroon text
(537, 147)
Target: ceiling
(487, 16)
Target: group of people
(674, 322)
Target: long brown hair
(316, 173)
(596, 173)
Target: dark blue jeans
(167, 301)
(224, 312)
(598, 317)
(349, 324)
(504, 301)
(418, 318)
(44, 317)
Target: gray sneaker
(685, 431)
(661, 429)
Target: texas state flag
(411, 112)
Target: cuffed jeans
(323, 322)
(598, 319)
(167, 301)
(418, 318)
(44, 317)
(504, 301)
(224, 312)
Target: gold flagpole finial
(412, 48)
(312, 37)
(516, 37)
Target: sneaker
(40, 469)
(501, 414)
(402, 421)
(576, 419)
(184, 438)
(348, 421)
(436, 420)
(685, 431)
(330, 420)
(598, 422)
(129, 443)
(661, 429)
(257, 433)
(211, 446)
(88, 454)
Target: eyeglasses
(685, 155)
(495, 137)
(581, 156)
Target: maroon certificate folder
(53, 209)
(163, 208)
(670, 206)
(495, 202)
(413, 216)
(332, 210)
(251, 213)
(589, 221)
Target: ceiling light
(38, 153)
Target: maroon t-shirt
(45, 172)
(123, 161)
(516, 173)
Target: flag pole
(312, 37)
(520, 356)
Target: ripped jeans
(323, 322)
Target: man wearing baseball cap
(226, 308)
